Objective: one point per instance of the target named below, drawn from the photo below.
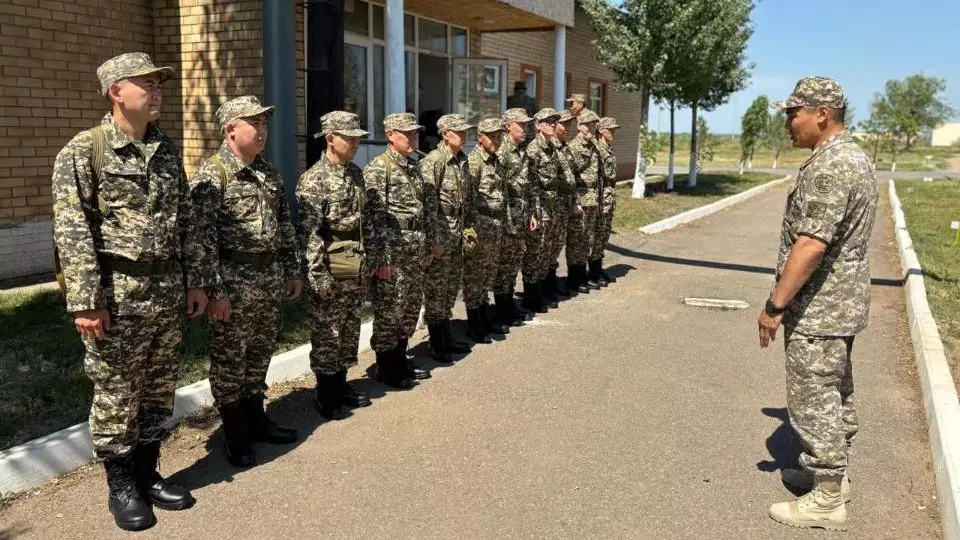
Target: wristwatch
(772, 309)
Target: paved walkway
(621, 415)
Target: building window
(355, 17)
(433, 36)
(355, 79)
(458, 41)
(598, 97)
(531, 76)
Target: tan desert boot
(803, 479)
(823, 507)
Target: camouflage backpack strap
(222, 175)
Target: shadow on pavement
(783, 444)
(13, 531)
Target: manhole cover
(714, 303)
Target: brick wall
(536, 49)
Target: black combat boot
(327, 399)
(559, 285)
(454, 345)
(505, 310)
(532, 300)
(261, 428)
(603, 273)
(153, 487)
(575, 281)
(548, 294)
(475, 328)
(130, 511)
(437, 346)
(236, 439)
(593, 277)
(390, 371)
(490, 324)
(518, 308)
(409, 368)
(348, 394)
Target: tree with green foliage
(775, 135)
(753, 124)
(877, 135)
(706, 143)
(630, 42)
(909, 106)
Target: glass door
(478, 88)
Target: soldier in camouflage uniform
(521, 100)
(607, 130)
(487, 191)
(543, 245)
(522, 207)
(120, 222)
(394, 241)
(330, 199)
(444, 181)
(586, 168)
(822, 297)
(553, 287)
(578, 102)
(245, 257)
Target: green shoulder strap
(223, 174)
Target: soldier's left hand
(196, 302)
(436, 252)
(534, 224)
(767, 327)
(294, 288)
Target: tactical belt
(249, 257)
(342, 236)
(409, 224)
(588, 184)
(110, 264)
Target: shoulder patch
(824, 183)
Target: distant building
(945, 135)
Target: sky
(860, 43)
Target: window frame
(604, 89)
(538, 73)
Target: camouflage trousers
(604, 230)
(396, 302)
(552, 237)
(512, 248)
(820, 399)
(241, 348)
(442, 283)
(134, 370)
(581, 235)
(480, 266)
(335, 327)
(533, 252)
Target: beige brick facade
(535, 49)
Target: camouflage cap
(128, 65)
(515, 115)
(342, 123)
(241, 107)
(545, 114)
(814, 92)
(577, 97)
(404, 122)
(587, 116)
(490, 125)
(567, 115)
(453, 122)
(608, 122)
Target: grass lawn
(929, 208)
(42, 385)
(727, 154)
(631, 214)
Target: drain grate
(721, 304)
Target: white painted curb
(33, 463)
(707, 209)
(939, 393)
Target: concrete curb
(40, 460)
(707, 209)
(939, 393)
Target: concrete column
(280, 89)
(559, 67)
(396, 80)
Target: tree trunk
(893, 166)
(876, 150)
(640, 172)
(672, 148)
(776, 158)
(692, 178)
(742, 161)
(750, 160)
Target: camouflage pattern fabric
(608, 199)
(394, 236)
(521, 202)
(581, 237)
(487, 190)
(567, 194)
(127, 65)
(529, 105)
(834, 198)
(241, 107)
(330, 201)
(543, 246)
(820, 399)
(342, 123)
(241, 208)
(134, 370)
(815, 91)
(136, 210)
(444, 185)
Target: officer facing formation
(330, 198)
(444, 182)
(821, 296)
(606, 133)
(395, 243)
(121, 226)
